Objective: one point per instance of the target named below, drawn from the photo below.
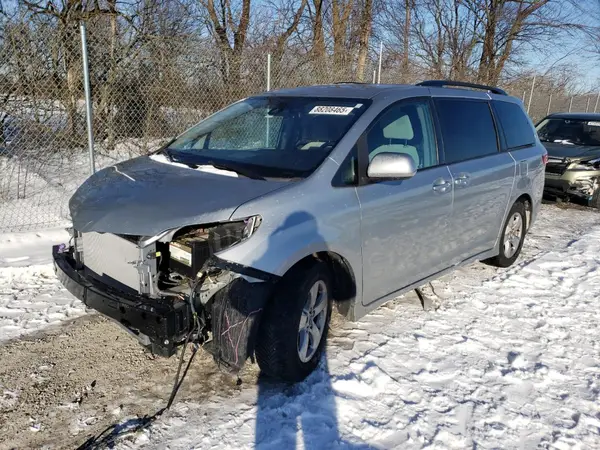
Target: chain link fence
(143, 92)
(543, 101)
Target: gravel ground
(74, 381)
(70, 381)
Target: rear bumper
(157, 323)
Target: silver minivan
(243, 232)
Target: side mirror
(391, 166)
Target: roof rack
(444, 83)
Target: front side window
(405, 128)
(281, 137)
(468, 129)
(570, 131)
(515, 124)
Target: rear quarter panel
(530, 176)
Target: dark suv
(573, 144)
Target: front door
(404, 224)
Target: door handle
(462, 179)
(442, 186)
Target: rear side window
(468, 129)
(515, 124)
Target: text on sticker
(335, 110)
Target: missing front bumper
(234, 307)
(159, 324)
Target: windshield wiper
(194, 162)
(243, 171)
(165, 151)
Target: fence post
(268, 72)
(571, 104)
(587, 105)
(549, 103)
(524, 94)
(267, 131)
(531, 94)
(88, 97)
(380, 58)
(596, 105)
(374, 76)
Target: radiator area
(114, 258)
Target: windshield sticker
(333, 110)
(594, 124)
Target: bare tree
(66, 14)
(290, 28)
(366, 24)
(505, 21)
(510, 23)
(318, 34)
(230, 23)
(409, 6)
(340, 25)
(230, 28)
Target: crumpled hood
(145, 197)
(556, 150)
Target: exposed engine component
(190, 249)
(189, 253)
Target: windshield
(280, 137)
(569, 131)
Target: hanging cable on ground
(196, 328)
(178, 381)
(113, 432)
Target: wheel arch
(342, 277)
(526, 200)
(528, 203)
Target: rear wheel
(294, 327)
(513, 235)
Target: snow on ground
(511, 362)
(31, 298)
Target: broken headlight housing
(189, 250)
(225, 235)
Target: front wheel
(294, 327)
(513, 235)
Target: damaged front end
(171, 288)
(583, 187)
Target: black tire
(502, 260)
(595, 201)
(277, 344)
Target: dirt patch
(59, 389)
(578, 204)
